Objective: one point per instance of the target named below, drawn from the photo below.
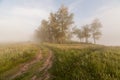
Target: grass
(90, 62)
(34, 68)
(11, 56)
(71, 61)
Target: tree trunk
(80, 39)
(94, 40)
(86, 40)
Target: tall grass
(90, 63)
(15, 54)
(34, 69)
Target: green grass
(11, 56)
(89, 63)
(34, 69)
(71, 61)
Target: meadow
(89, 62)
(70, 61)
(12, 56)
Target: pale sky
(19, 18)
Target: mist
(19, 19)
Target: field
(20, 61)
(28, 61)
(89, 62)
(11, 56)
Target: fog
(19, 19)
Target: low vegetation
(34, 71)
(88, 63)
(13, 55)
(70, 62)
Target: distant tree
(86, 32)
(69, 35)
(56, 29)
(95, 30)
(42, 33)
(78, 33)
(64, 21)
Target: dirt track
(43, 70)
(46, 66)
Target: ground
(59, 62)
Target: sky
(20, 18)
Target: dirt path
(43, 70)
(26, 66)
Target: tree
(64, 21)
(86, 32)
(95, 30)
(42, 33)
(78, 33)
(69, 35)
(56, 29)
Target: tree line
(89, 30)
(59, 28)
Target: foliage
(95, 30)
(78, 33)
(57, 27)
(86, 32)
